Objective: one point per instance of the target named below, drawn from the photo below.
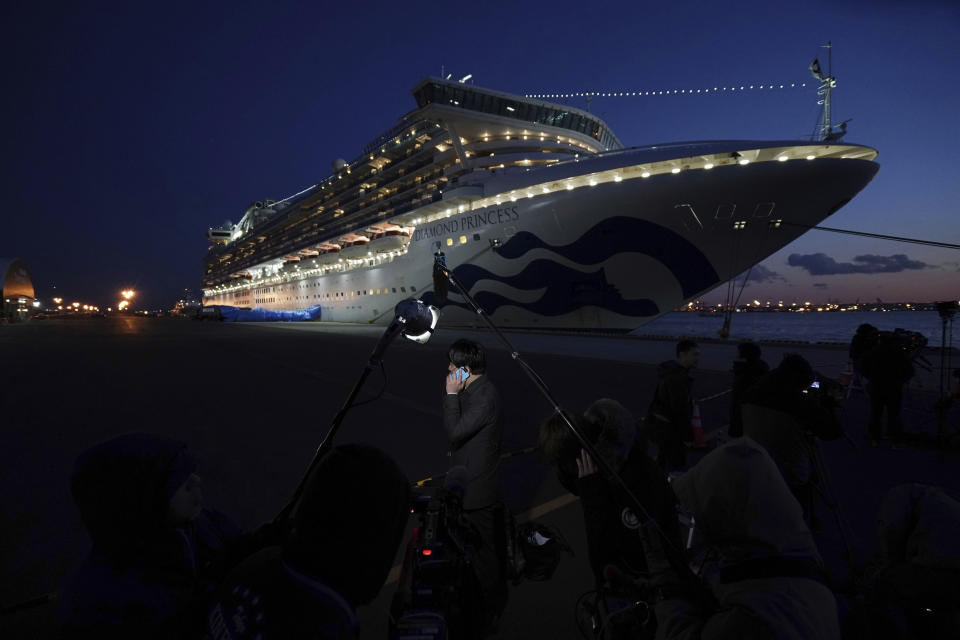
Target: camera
(438, 595)
(910, 342)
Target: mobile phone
(462, 374)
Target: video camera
(438, 595)
(909, 341)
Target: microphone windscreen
(456, 480)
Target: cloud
(760, 274)
(820, 285)
(820, 264)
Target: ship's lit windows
(675, 170)
(740, 224)
(463, 239)
(708, 166)
(617, 178)
(743, 162)
(449, 242)
(810, 157)
(645, 174)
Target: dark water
(806, 327)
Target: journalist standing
(667, 423)
(474, 423)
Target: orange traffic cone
(699, 442)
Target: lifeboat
(308, 258)
(329, 253)
(290, 263)
(388, 237)
(354, 246)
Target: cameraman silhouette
(786, 416)
(887, 367)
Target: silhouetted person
(784, 415)
(914, 583)
(667, 423)
(345, 533)
(612, 526)
(863, 341)
(473, 421)
(887, 367)
(153, 542)
(768, 580)
(748, 368)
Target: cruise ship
(543, 215)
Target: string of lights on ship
(662, 92)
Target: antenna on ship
(824, 131)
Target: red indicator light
(411, 510)
(427, 552)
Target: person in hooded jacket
(613, 529)
(346, 529)
(768, 581)
(748, 368)
(149, 573)
(668, 420)
(914, 581)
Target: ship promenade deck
(253, 402)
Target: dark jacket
(671, 410)
(346, 529)
(474, 424)
(768, 582)
(745, 374)
(612, 524)
(143, 577)
(887, 365)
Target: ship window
(724, 211)
(463, 239)
(476, 237)
(403, 289)
(413, 288)
(394, 289)
(763, 209)
(740, 224)
(449, 242)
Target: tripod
(945, 400)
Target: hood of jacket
(743, 506)
(122, 488)
(350, 521)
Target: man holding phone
(472, 419)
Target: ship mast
(824, 132)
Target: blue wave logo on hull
(568, 289)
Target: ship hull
(611, 256)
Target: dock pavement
(254, 401)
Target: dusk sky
(132, 127)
